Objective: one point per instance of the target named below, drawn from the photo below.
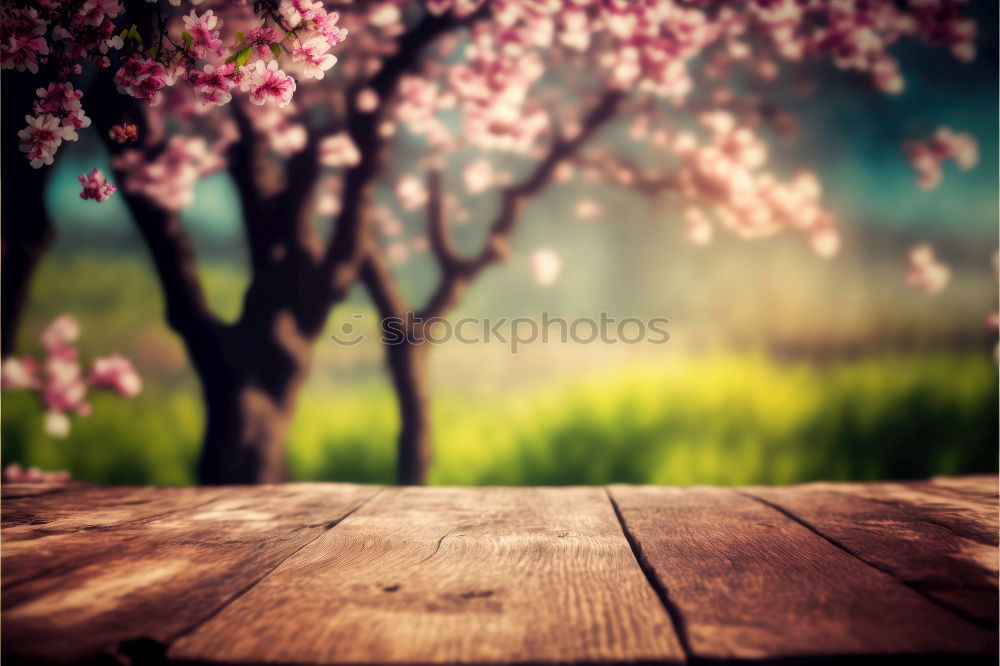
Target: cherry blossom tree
(309, 105)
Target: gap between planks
(882, 569)
(673, 612)
(228, 602)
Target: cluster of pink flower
(62, 385)
(926, 272)
(278, 127)
(928, 156)
(169, 180)
(411, 192)
(43, 31)
(46, 33)
(493, 88)
(311, 33)
(857, 35)
(14, 473)
(338, 150)
(58, 115)
(124, 132)
(647, 46)
(143, 78)
(419, 102)
(66, 33)
(724, 176)
(96, 186)
(317, 34)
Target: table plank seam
(908, 584)
(914, 511)
(329, 525)
(677, 620)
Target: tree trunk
(22, 250)
(26, 228)
(408, 365)
(245, 433)
(250, 398)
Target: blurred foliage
(677, 414)
(719, 419)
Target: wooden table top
(338, 573)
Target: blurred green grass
(718, 419)
(547, 416)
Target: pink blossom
(310, 51)
(60, 335)
(115, 372)
(93, 12)
(143, 79)
(42, 138)
(96, 186)
(588, 209)
(212, 85)
(411, 192)
(297, 11)
(545, 266)
(927, 157)
(23, 38)
(699, 228)
(338, 150)
(825, 241)
(205, 32)
(267, 83)
(260, 39)
(478, 176)
(926, 272)
(277, 125)
(19, 373)
(366, 101)
(61, 386)
(124, 132)
(57, 424)
(14, 473)
(169, 180)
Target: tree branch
(188, 311)
(624, 172)
(438, 237)
(381, 286)
(345, 254)
(457, 274)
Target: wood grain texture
(959, 572)
(750, 582)
(152, 577)
(966, 512)
(446, 575)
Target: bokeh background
(781, 367)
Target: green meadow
(549, 416)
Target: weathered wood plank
(927, 556)
(155, 578)
(987, 485)
(38, 530)
(91, 507)
(14, 490)
(444, 575)
(751, 583)
(969, 517)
